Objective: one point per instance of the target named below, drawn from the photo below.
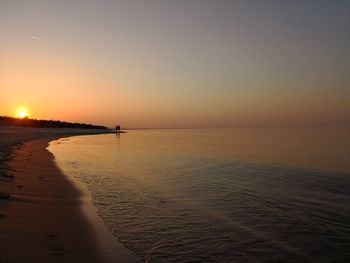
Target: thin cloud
(35, 37)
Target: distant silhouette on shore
(117, 128)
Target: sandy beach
(44, 215)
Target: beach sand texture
(47, 217)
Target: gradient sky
(180, 63)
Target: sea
(219, 195)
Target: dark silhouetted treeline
(26, 122)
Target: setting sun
(21, 112)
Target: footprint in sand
(54, 246)
(2, 216)
(4, 195)
(4, 257)
(19, 187)
(6, 175)
(50, 236)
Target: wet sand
(48, 217)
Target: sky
(177, 64)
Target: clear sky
(180, 63)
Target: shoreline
(48, 216)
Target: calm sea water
(231, 195)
